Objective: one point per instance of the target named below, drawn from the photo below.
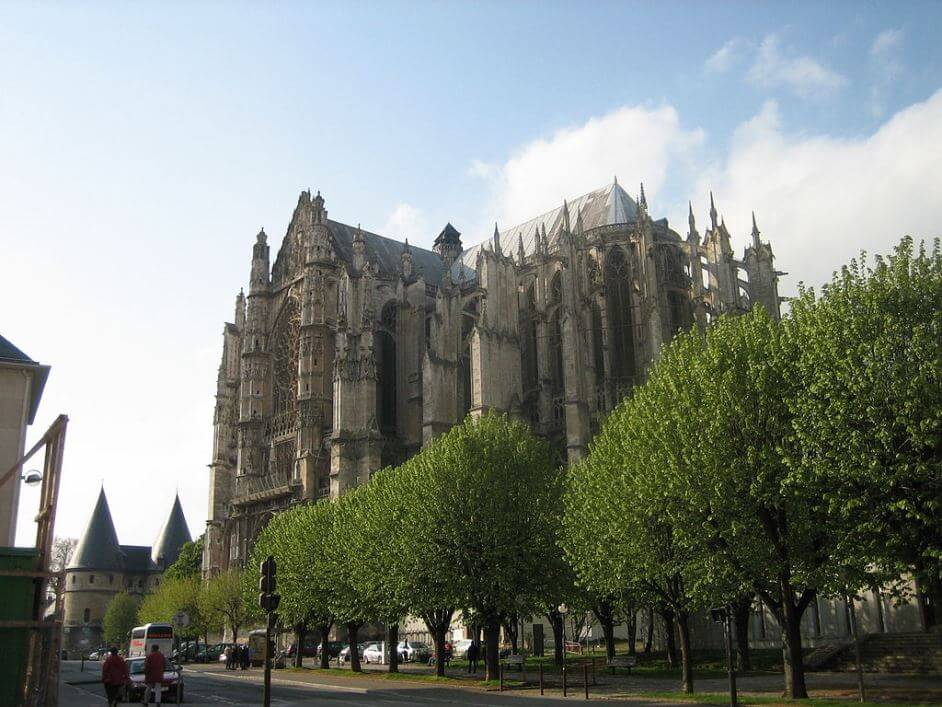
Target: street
(246, 689)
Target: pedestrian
(114, 676)
(154, 667)
(473, 652)
(228, 652)
(246, 657)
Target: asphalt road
(203, 689)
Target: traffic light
(267, 599)
(267, 569)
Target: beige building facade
(21, 387)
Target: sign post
(268, 601)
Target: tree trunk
(353, 627)
(742, 610)
(790, 622)
(683, 626)
(439, 651)
(492, 644)
(670, 637)
(393, 643)
(235, 633)
(300, 631)
(325, 648)
(511, 627)
(556, 623)
(632, 625)
(604, 613)
(650, 638)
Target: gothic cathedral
(353, 350)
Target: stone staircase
(883, 652)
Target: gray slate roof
(8, 352)
(98, 549)
(386, 253)
(172, 536)
(602, 207)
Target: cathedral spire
(497, 248)
(691, 221)
(642, 200)
(755, 232)
(359, 249)
(580, 229)
(713, 222)
(520, 254)
(544, 242)
(565, 217)
(239, 319)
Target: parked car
(333, 648)
(172, 682)
(411, 651)
(344, 655)
(373, 653)
(97, 654)
(309, 649)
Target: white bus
(143, 637)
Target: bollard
(501, 677)
(585, 679)
(593, 670)
(564, 678)
(541, 677)
(82, 670)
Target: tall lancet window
(621, 344)
(555, 333)
(386, 399)
(529, 355)
(528, 350)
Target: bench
(514, 660)
(622, 661)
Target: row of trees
(774, 459)
(782, 460)
(468, 524)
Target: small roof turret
(98, 549)
(174, 533)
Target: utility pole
(268, 601)
(724, 615)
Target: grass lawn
(723, 699)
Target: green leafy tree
(175, 595)
(487, 496)
(298, 539)
(120, 618)
(190, 561)
(868, 416)
(221, 601)
(761, 526)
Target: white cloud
(406, 221)
(636, 143)
(886, 67)
(803, 75)
(887, 41)
(821, 199)
(726, 56)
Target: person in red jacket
(154, 666)
(114, 676)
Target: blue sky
(142, 146)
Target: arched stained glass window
(621, 334)
(386, 397)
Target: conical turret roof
(98, 549)
(174, 533)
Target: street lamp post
(724, 614)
